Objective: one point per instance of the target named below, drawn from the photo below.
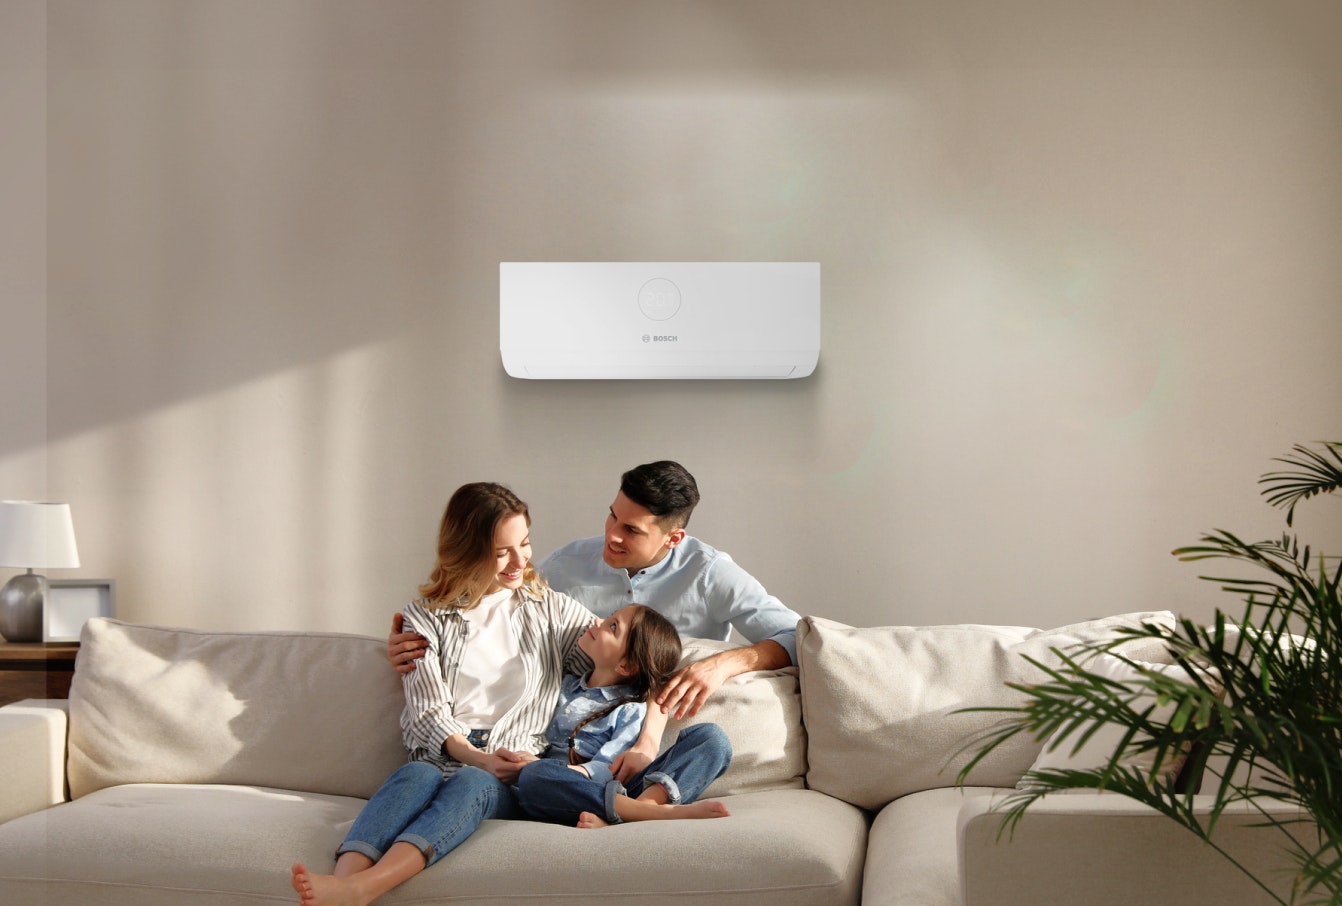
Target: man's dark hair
(665, 489)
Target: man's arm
(404, 648)
(687, 691)
(735, 597)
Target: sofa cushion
(311, 711)
(761, 714)
(157, 705)
(1040, 643)
(143, 844)
(881, 706)
(884, 708)
(912, 858)
(1071, 748)
(176, 844)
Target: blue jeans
(549, 790)
(417, 805)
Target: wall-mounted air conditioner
(624, 320)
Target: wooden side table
(36, 670)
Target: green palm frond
(1262, 699)
(1317, 472)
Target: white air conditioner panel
(627, 320)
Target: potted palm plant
(1256, 712)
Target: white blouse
(490, 679)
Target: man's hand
(630, 762)
(404, 648)
(687, 691)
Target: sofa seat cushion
(911, 850)
(170, 843)
(165, 845)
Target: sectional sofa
(193, 767)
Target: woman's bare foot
(323, 890)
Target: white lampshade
(37, 535)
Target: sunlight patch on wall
(258, 493)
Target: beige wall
(1080, 277)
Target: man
(646, 557)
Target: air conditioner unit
(625, 320)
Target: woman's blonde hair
(466, 564)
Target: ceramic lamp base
(21, 602)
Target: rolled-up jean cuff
(613, 788)
(672, 791)
(358, 846)
(424, 846)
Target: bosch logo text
(660, 338)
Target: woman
(478, 707)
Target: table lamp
(32, 536)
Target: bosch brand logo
(664, 339)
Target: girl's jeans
(550, 790)
(417, 805)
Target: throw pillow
(761, 714)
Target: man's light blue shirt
(700, 589)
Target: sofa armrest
(32, 749)
(1107, 850)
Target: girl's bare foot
(323, 890)
(645, 810)
(708, 809)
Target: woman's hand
(404, 648)
(506, 765)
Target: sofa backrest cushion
(880, 706)
(883, 707)
(310, 711)
(761, 714)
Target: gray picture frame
(72, 602)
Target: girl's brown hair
(652, 649)
(465, 566)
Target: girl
(634, 652)
(471, 720)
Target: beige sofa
(194, 767)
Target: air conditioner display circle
(659, 299)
